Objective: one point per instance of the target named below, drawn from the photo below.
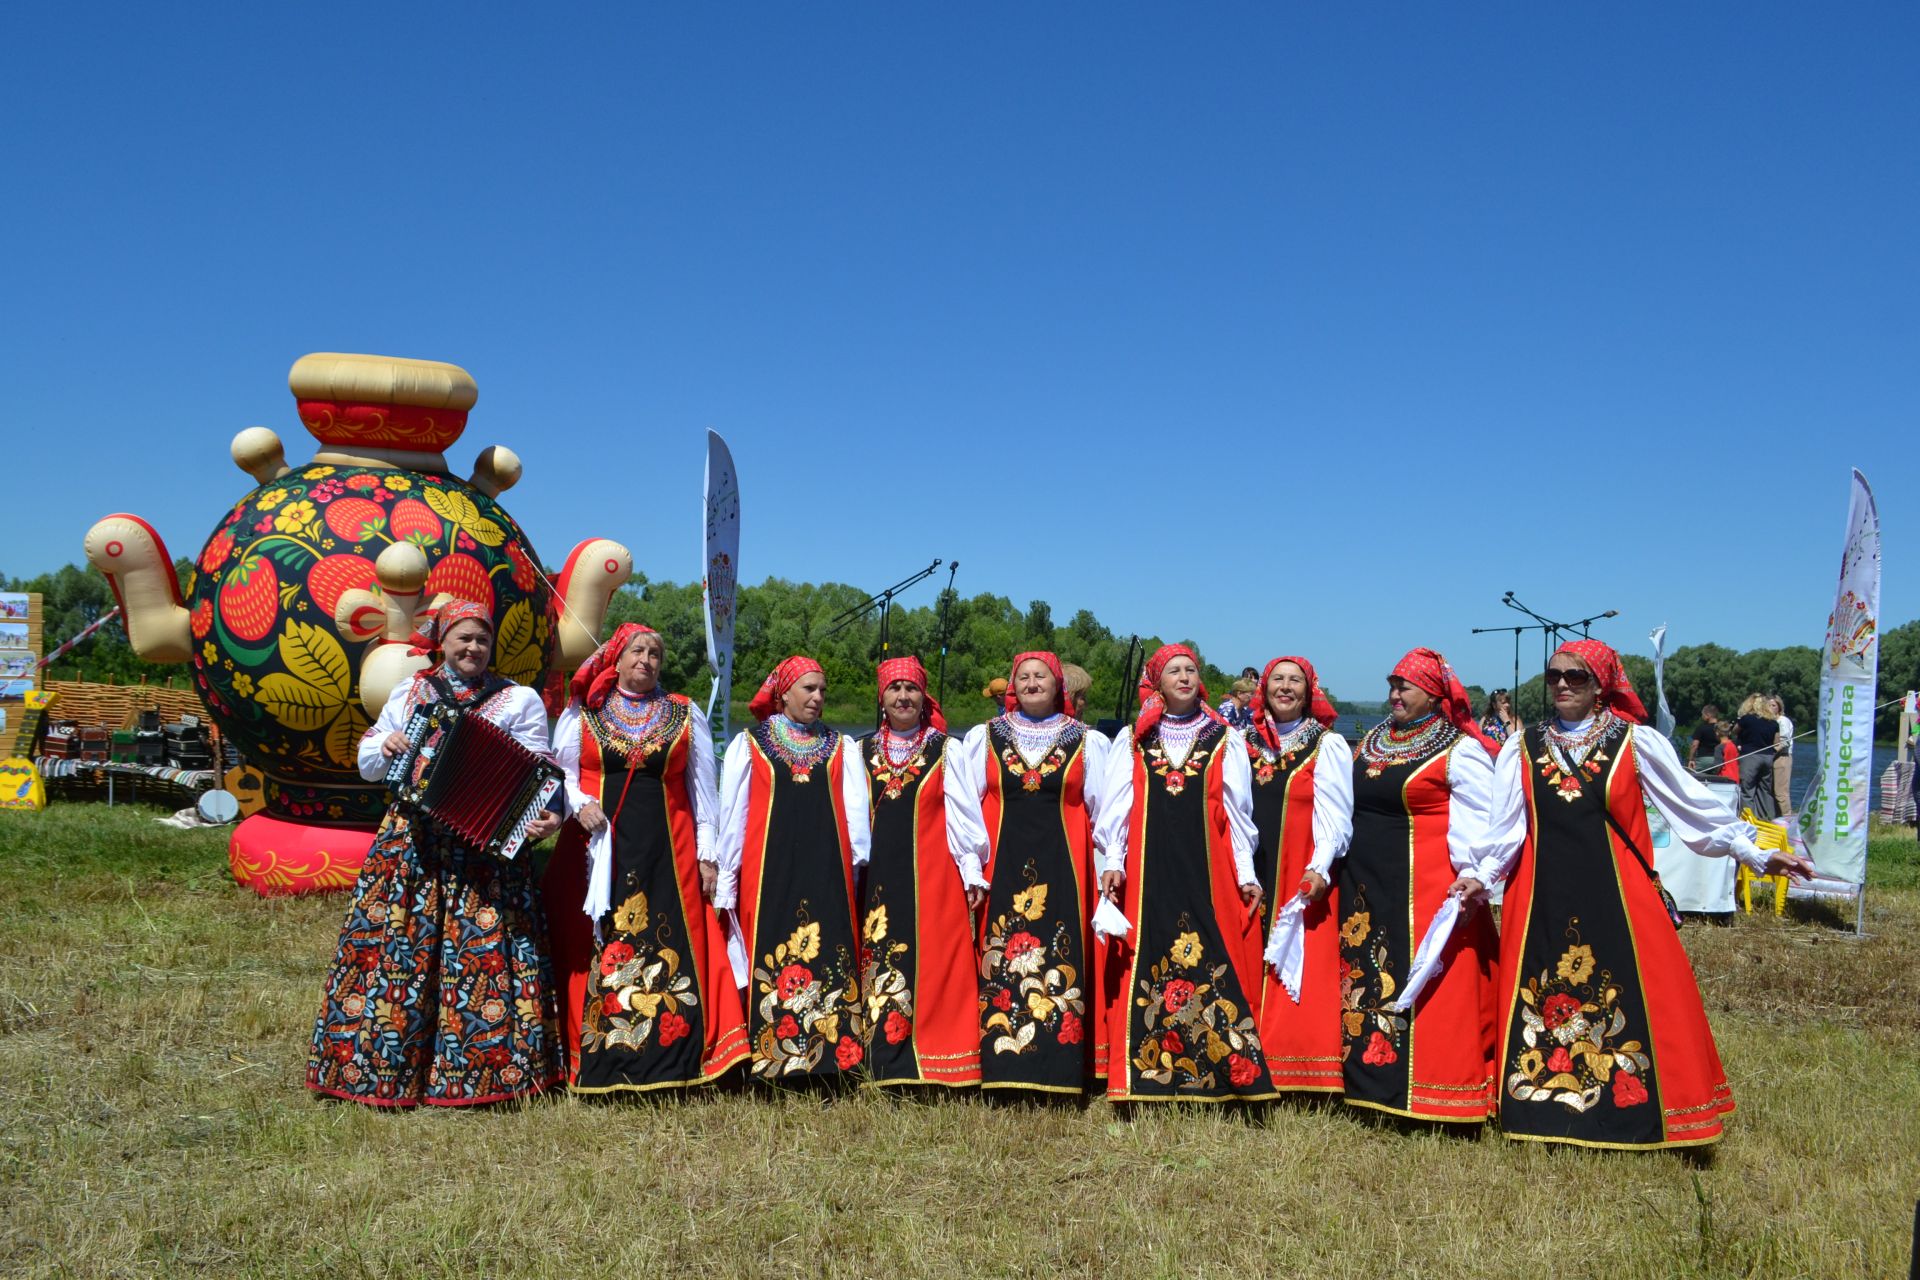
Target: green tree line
(984, 631)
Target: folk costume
(1303, 813)
(1419, 811)
(1604, 1042)
(1023, 796)
(793, 828)
(648, 996)
(1185, 982)
(916, 929)
(440, 992)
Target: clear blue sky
(1284, 328)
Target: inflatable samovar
(299, 607)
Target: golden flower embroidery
(1039, 1005)
(1353, 931)
(1576, 964)
(631, 915)
(805, 942)
(1031, 902)
(876, 926)
(1186, 950)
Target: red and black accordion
(472, 777)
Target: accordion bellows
(471, 777)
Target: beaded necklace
(799, 747)
(1177, 733)
(635, 727)
(900, 748)
(636, 715)
(1387, 745)
(1033, 737)
(1573, 756)
(893, 768)
(1292, 744)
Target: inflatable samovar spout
(298, 609)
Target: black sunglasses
(1573, 678)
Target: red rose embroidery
(612, 956)
(1003, 1000)
(672, 1027)
(1179, 991)
(1172, 1043)
(792, 981)
(1558, 1009)
(1560, 1061)
(897, 1027)
(847, 1053)
(610, 1004)
(1070, 1028)
(1020, 944)
(493, 962)
(787, 1028)
(1628, 1089)
(1379, 1052)
(1241, 1070)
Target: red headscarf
(599, 674)
(766, 699)
(910, 670)
(1152, 705)
(1427, 669)
(1053, 665)
(434, 624)
(1616, 691)
(1317, 704)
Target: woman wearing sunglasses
(1604, 1042)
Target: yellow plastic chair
(1770, 836)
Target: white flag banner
(1832, 826)
(720, 579)
(1662, 717)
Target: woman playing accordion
(440, 992)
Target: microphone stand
(945, 596)
(885, 600)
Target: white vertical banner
(1832, 827)
(720, 575)
(1662, 717)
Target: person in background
(1755, 733)
(1237, 707)
(1728, 753)
(1703, 750)
(995, 692)
(1499, 723)
(1077, 682)
(1782, 758)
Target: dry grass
(153, 1023)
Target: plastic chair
(1769, 836)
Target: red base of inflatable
(274, 857)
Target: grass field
(153, 1030)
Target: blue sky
(1279, 328)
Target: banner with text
(1832, 826)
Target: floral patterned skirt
(440, 992)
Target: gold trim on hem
(1414, 1115)
(1610, 1146)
